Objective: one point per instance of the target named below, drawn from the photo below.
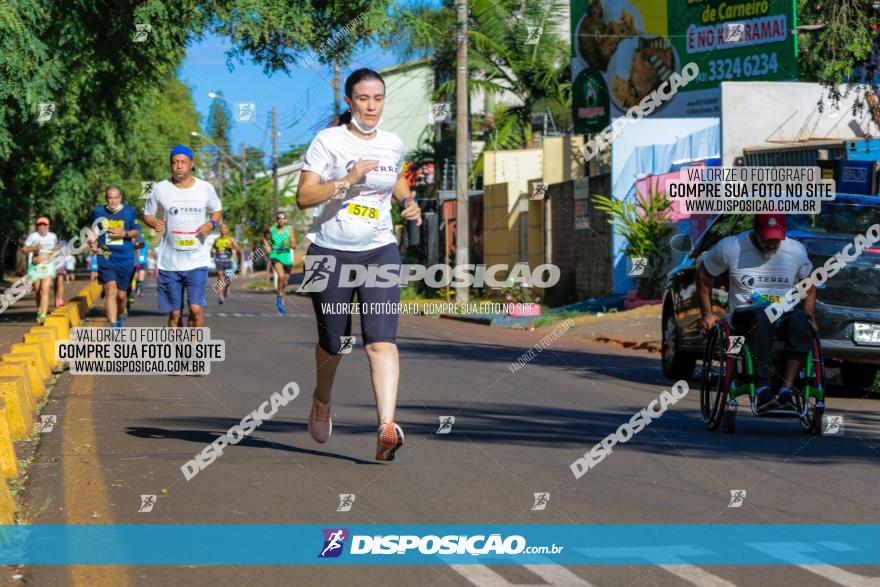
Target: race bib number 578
(361, 211)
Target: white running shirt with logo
(751, 271)
(361, 220)
(185, 210)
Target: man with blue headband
(191, 210)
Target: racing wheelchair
(728, 375)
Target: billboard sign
(622, 50)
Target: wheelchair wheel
(811, 422)
(715, 381)
(729, 420)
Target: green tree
(219, 122)
(109, 120)
(292, 154)
(841, 38)
(503, 61)
(645, 224)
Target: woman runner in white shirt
(350, 174)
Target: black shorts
(223, 265)
(378, 305)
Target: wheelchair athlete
(762, 261)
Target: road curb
(47, 341)
(502, 321)
(36, 382)
(19, 407)
(40, 360)
(23, 372)
(652, 347)
(8, 460)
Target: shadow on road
(207, 437)
(680, 431)
(633, 367)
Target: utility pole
(243, 170)
(462, 232)
(220, 173)
(336, 81)
(275, 158)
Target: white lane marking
(557, 575)
(671, 552)
(841, 576)
(237, 315)
(799, 554)
(696, 575)
(221, 314)
(554, 575)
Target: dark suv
(850, 298)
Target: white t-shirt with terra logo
(185, 210)
(751, 271)
(361, 219)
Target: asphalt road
(514, 435)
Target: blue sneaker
(786, 398)
(280, 306)
(116, 325)
(764, 400)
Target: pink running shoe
(320, 424)
(390, 438)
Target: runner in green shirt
(280, 242)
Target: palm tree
(519, 71)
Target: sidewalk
(633, 329)
(21, 316)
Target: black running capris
(333, 303)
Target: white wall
(766, 114)
(407, 102)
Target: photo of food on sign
(611, 38)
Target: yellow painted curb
(28, 360)
(7, 504)
(93, 291)
(34, 360)
(83, 303)
(42, 363)
(45, 340)
(8, 460)
(47, 329)
(19, 411)
(20, 370)
(61, 325)
(72, 312)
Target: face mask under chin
(358, 124)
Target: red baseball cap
(43, 220)
(770, 226)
